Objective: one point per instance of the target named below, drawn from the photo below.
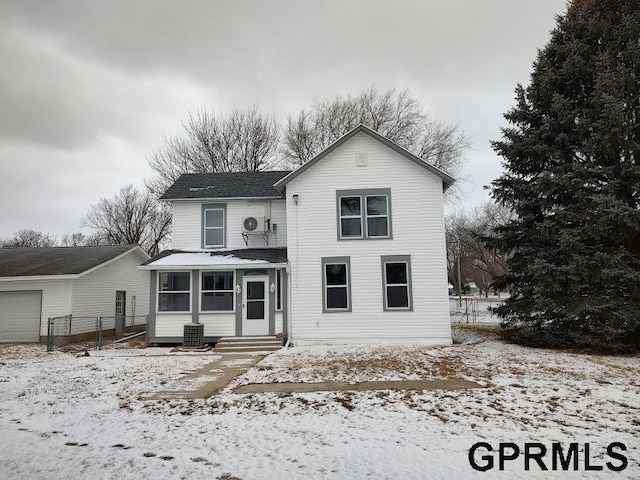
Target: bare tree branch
(29, 238)
(245, 140)
(130, 217)
(396, 115)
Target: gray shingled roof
(27, 262)
(271, 255)
(225, 185)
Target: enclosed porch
(240, 293)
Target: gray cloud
(88, 88)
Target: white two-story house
(348, 248)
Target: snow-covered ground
(64, 415)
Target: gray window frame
(335, 261)
(384, 259)
(158, 292)
(363, 194)
(203, 291)
(203, 216)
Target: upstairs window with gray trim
(336, 284)
(174, 291)
(364, 214)
(213, 226)
(396, 282)
(217, 292)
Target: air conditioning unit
(193, 336)
(253, 225)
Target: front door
(255, 305)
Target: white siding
(218, 324)
(94, 294)
(187, 223)
(171, 325)
(187, 226)
(418, 231)
(56, 297)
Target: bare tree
(396, 115)
(29, 238)
(130, 216)
(245, 140)
(466, 243)
(81, 240)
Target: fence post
(49, 336)
(69, 332)
(97, 334)
(99, 320)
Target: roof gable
(447, 180)
(226, 185)
(32, 262)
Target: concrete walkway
(443, 384)
(211, 378)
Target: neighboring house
(349, 248)
(40, 283)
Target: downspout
(289, 282)
(288, 343)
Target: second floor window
(213, 223)
(364, 214)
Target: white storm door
(255, 305)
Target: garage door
(20, 316)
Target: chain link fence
(68, 329)
(472, 310)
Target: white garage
(20, 316)
(41, 283)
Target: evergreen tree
(572, 176)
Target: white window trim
(158, 292)
(361, 217)
(233, 290)
(385, 285)
(367, 216)
(204, 222)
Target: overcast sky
(88, 88)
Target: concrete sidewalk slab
(443, 384)
(210, 378)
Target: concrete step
(249, 339)
(248, 344)
(246, 349)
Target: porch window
(213, 226)
(278, 290)
(217, 292)
(396, 281)
(336, 284)
(364, 214)
(174, 291)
